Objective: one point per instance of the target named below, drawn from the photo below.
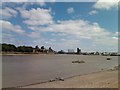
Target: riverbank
(102, 79)
(15, 54)
(41, 53)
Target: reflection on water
(28, 69)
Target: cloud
(26, 4)
(14, 0)
(28, 0)
(13, 34)
(117, 33)
(72, 33)
(115, 38)
(8, 38)
(8, 26)
(105, 4)
(34, 35)
(93, 12)
(8, 13)
(70, 10)
(78, 28)
(42, 3)
(37, 16)
(21, 0)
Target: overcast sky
(91, 26)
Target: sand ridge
(103, 79)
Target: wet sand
(103, 79)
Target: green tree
(42, 47)
(8, 47)
(24, 49)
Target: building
(43, 50)
(78, 51)
(71, 51)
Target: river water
(20, 70)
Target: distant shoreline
(17, 53)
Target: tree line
(12, 48)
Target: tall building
(78, 51)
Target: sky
(91, 26)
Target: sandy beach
(103, 79)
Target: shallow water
(22, 70)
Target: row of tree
(13, 48)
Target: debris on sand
(59, 78)
(78, 61)
(51, 80)
(108, 58)
(56, 79)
